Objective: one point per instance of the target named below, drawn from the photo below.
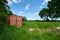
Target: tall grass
(15, 33)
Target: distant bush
(24, 18)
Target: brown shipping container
(15, 20)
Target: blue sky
(28, 8)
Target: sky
(28, 8)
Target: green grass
(15, 33)
(43, 25)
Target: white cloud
(10, 2)
(27, 7)
(21, 12)
(45, 1)
(33, 16)
(16, 1)
(36, 13)
(44, 4)
(13, 11)
(41, 7)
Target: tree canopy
(44, 13)
(4, 10)
(52, 11)
(54, 8)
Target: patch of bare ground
(55, 30)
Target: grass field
(42, 25)
(32, 31)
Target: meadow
(31, 31)
(42, 25)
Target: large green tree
(4, 10)
(44, 13)
(53, 10)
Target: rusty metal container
(14, 20)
